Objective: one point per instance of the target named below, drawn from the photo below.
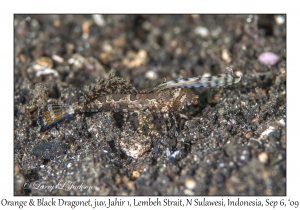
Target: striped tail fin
(52, 114)
(200, 82)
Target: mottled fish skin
(157, 102)
(168, 97)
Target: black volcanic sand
(232, 143)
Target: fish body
(168, 97)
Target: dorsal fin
(113, 85)
(200, 82)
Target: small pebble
(279, 19)
(263, 157)
(120, 42)
(86, 28)
(202, 31)
(56, 23)
(238, 74)
(130, 186)
(188, 192)
(151, 75)
(281, 122)
(255, 120)
(190, 184)
(46, 71)
(248, 135)
(17, 169)
(42, 63)
(118, 180)
(99, 20)
(58, 58)
(147, 26)
(136, 174)
(54, 133)
(268, 58)
(107, 48)
(226, 56)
